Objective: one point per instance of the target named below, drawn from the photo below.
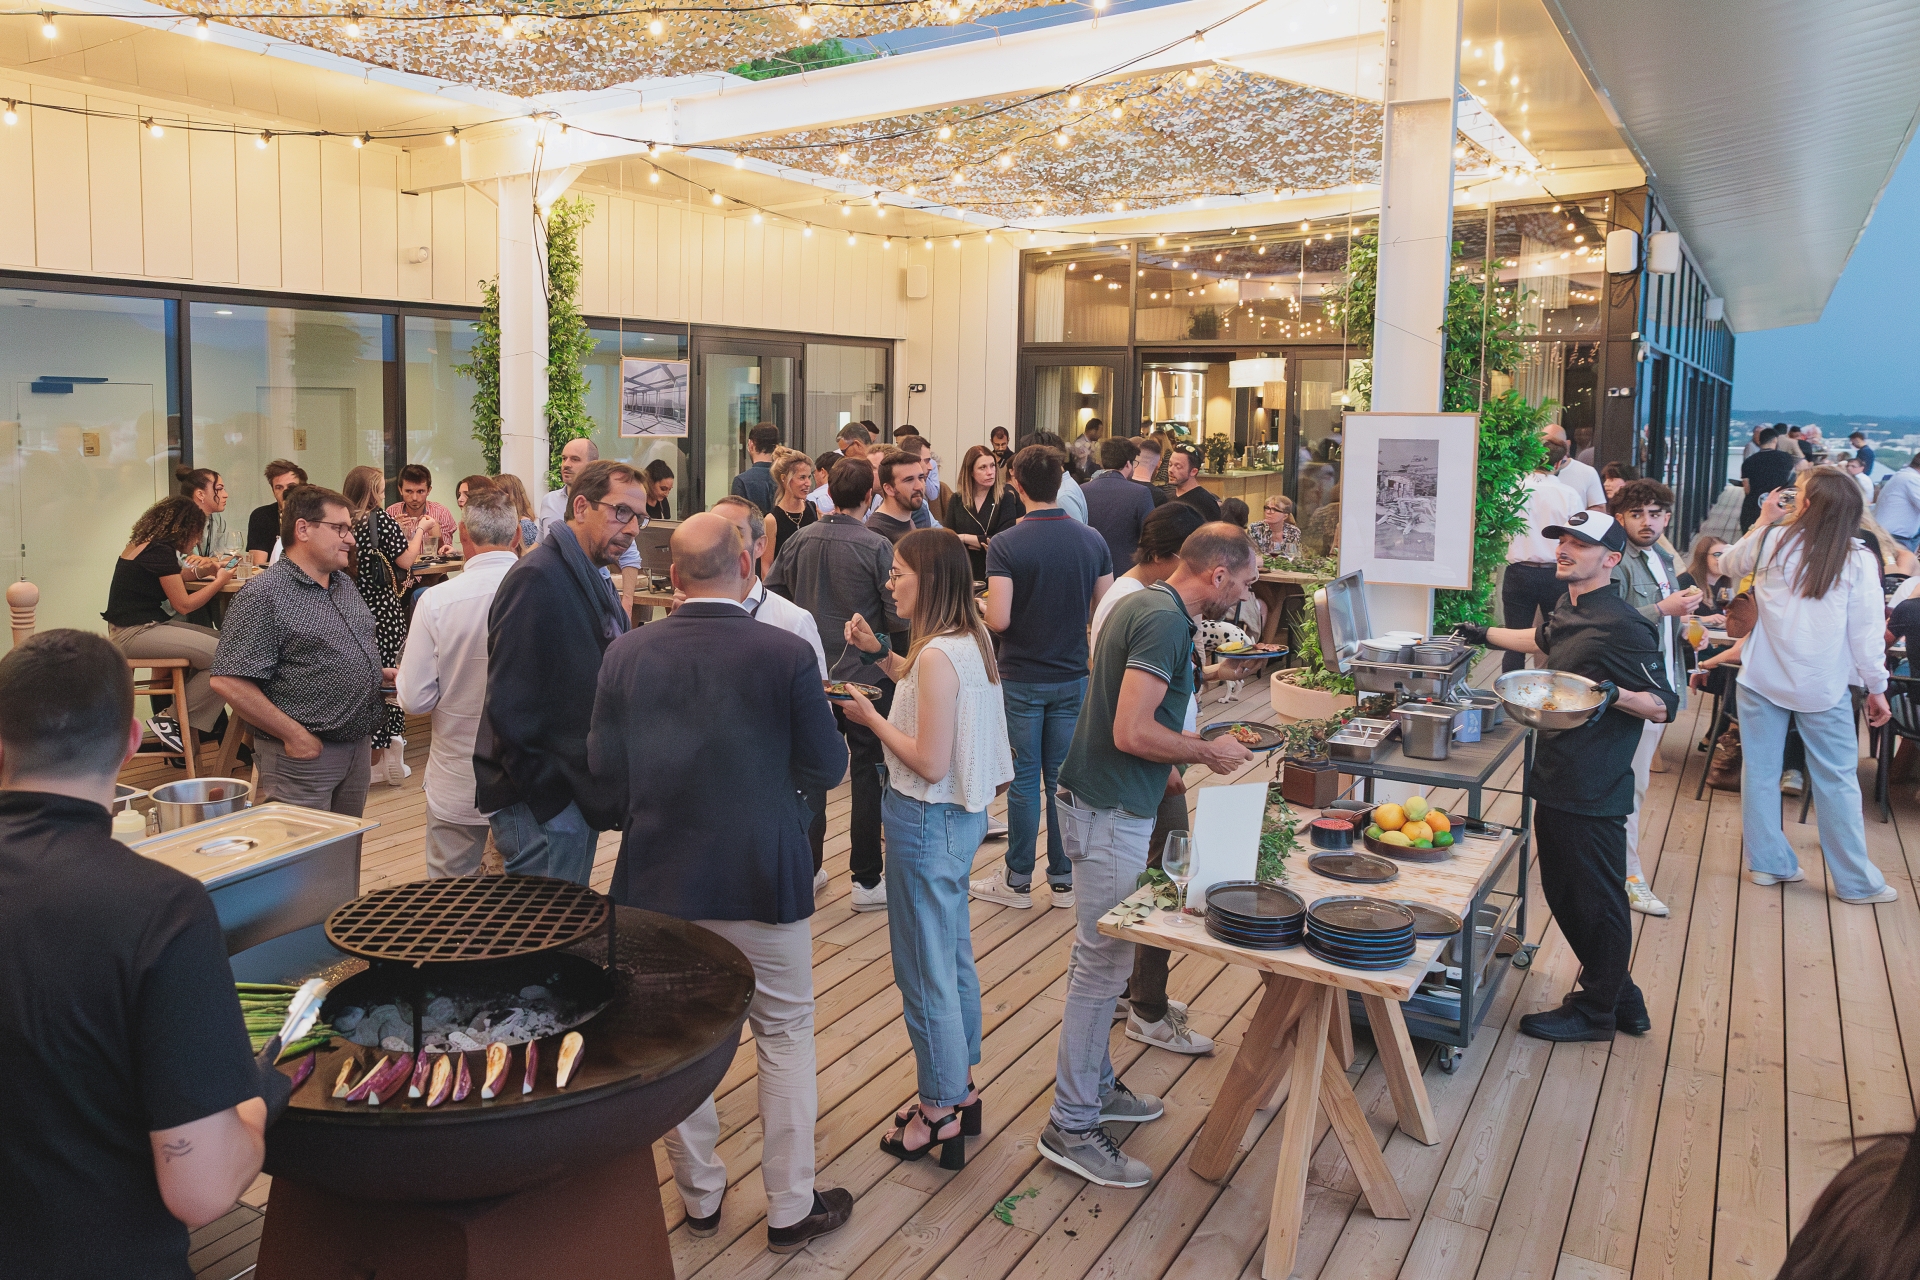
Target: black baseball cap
(1595, 527)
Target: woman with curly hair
(383, 554)
(147, 604)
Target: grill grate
(466, 918)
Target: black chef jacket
(1589, 770)
(117, 1017)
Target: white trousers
(1642, 771)
(781, 1017)
(453, 848)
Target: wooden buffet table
(1302, 1010)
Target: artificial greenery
(807, 57)
(1218, 450)
(1482, 331)
(569, 342)
(1205, 322)
(483, 366)
(1312, 672)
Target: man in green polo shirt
(1128, 735)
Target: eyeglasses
(898, 573)
(623, 515)
(341, 528)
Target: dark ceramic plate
(1346, 962)
(1352, 913)
(1270, 737)
(1361, 941)
(1243, 655)
(1354, 868)
(1227, 926)
(870, 692)
(1276, 942)
(1256, 901)
(1429, 921)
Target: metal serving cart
(1454, 996)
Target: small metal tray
(1362, 740)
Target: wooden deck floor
(1786, 1034)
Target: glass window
(843, 384)
(1320, 400)
(1068, 396)
(83, 449)
(1553, 257)
(1239, 287)
(1568, 375)
(278, 382)
(672, 450)
(1077, 296)
(440, 403)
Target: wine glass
(1176, 859)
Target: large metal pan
(1524, 694)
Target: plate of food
(837, 691)
(1256, 736)
(1249, 652)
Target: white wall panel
(449, 258)
(380, 248)
(415, 214)
(596, 263)
(257, 197)
(166, 203)
(339, 218)
(16, 186)
(483, 247)
(300, 222)
(113, 156)
(215, 226)
(63, 221)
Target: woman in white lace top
(947, 754)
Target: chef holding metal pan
(1583, 776)
(134, 1109)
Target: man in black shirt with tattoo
(133, 1110)
(1587, 774)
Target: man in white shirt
(1530, 581)
(1898, 509)
(444, 671)
(1858, 470)
(1573, 473)
(574, 456)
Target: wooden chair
(167, 676)
(238, 731)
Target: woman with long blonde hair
(382, 555)
(529, 527)
(1820, 628)
(946, 753)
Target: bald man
(575, 455)
(708, 728)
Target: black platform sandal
(948, 1133)
(969, 1114)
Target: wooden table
(1302, 1011)
(424, 572)
(1280, 586)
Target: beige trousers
(179, 640)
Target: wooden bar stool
(167, 676)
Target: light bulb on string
(654, 25)
(886, 242)
(927, 243)
(846, 211)
(1193, 79)
(1199, 39)
(956, 242)
(507, 30)
(739, 162)
(851, 241)
(1061, 138)
(805, 20)
(807, 230)
(1004, 159)
(450, 137)
(843, 157)
(714, 196)
(756, 218)
(202, 29)
(989, 237)
(946, 131)
(1119, 110)
(353, 25)
(362, 140)
(263, 138)
(911, 190)
(654, 177)
(153, 127)
(1073, 101)
(1161, 242)
(48, 28)
(12, 113)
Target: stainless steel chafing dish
(1341, 610)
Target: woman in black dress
(659, 487)
(792, 482)
(981, 505)
(382, 557)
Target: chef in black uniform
(1583, 778)
(131, 1108)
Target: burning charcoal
(347, 1068)
(359, 1092)
(462, 1080)
(303, 1069)
(391, 1079)
(532, 1071)
(442, 1085)
(418, 1085)
(498, 1056)
(569, 1058)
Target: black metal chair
(1903, 698)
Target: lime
(1441, 839)
(1373, 833)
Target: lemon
(1417, 831)
(1395, 838)
(1416, 807)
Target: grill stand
(605, 1222)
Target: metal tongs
(303, 1010)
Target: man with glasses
(299, 659)
(553, 617)
(575, 456)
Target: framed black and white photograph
(653, 397)
(1407, 496)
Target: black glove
(1609, 694)
(275, 1088)
(1472, 632)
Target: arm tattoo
(176, 1149)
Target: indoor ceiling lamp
(805, 20)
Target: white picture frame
(1408, 488)
(653, 398)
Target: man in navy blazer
(707, 729)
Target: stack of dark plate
(1360, 933)
(1264, 917)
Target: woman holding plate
(946, 756)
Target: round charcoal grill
(467, 918)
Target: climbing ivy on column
(569, 342)
(483, 366)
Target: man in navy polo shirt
(1044, 577)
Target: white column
(523, 337)
(1416, 237)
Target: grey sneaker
(1117, 1102)
(996, 889)
(1171, 1032)
(1093, 1156)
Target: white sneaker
(1791, 783)
(874, 899)
(996, 828)
(996, 889)
(819, 880)
(1062, 898)
(1887, 894)
(1171, 1032)
(1763, 879)
(395, 761)
(1641, 898)
(1123, 1008)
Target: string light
(47, 27)
(843, 157)
(12, 114)
(1199, 39)
(846, 211)
(1073, 101)
(805, 20)
(263, 138)
(756, 217)
(353, 25)
(886, 242)
(451, 136)
(362, 141)
(654, 25)
(850, 240)
(807, 230)
(202, 29)
(714, 196)
(956, 242)
(946, 131)
(927, 243)
(153, 127)
(654, 177)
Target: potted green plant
(1309, 691)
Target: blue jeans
(561, 847)
(930, 850)
(1040, 720)
(1833, 770)
(1109, 851)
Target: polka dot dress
(379, 530)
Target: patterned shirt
(308, 647)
